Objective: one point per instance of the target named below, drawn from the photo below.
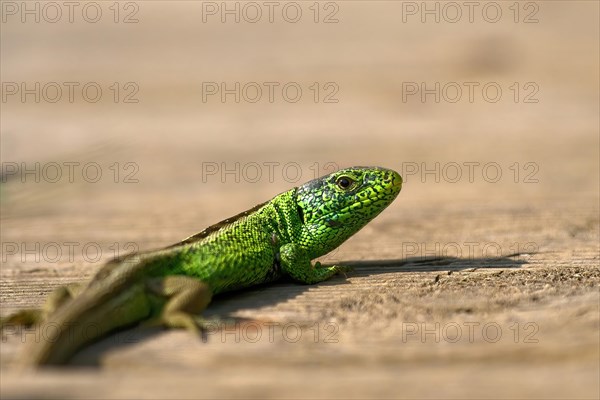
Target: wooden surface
(479, 288)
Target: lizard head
(335, 207)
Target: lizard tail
(93, 314)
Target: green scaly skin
(173, 285)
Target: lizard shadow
(227, 305)
(286, 289)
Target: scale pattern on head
(336, 206)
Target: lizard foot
(342, 269)
(23, 318)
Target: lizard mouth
(364, 208)
(384, 194)
(326, 202)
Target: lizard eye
(344, 182)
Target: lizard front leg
(187, 297)
(296, 263)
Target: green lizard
(173, 285)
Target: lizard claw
(343, 269)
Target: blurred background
(145, 121)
